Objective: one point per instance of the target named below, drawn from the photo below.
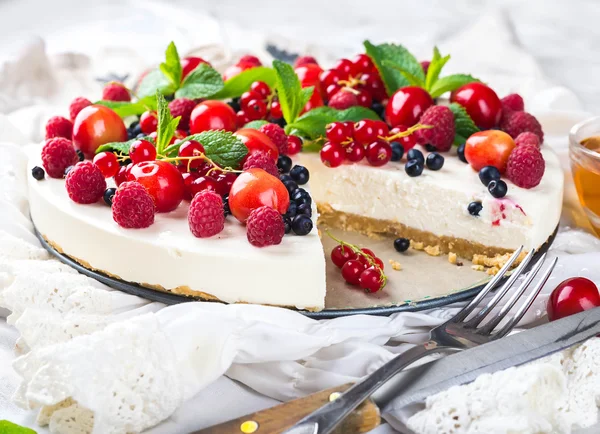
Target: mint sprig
(463, 123)
(222, 147)
(237, 85)
(167, 125)
(292, 97)
(171, 67)
(130, 108)
(202, 82)
(313, 123)
(450, 83)
(255, 125)
(7, 427)
(121, 148)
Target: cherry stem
(406, 133)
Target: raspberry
(248, 58)
(261, 160)
(77, 105)
(527, 138)
(115, 92)
(305, 60)
(343, 100)
(57, 155)
(441, 136)
(516, 123)
(85, 183)
(206, 217)
(512, 103)
(277, 136)
(57, 126)
(132, 206)
(526, 166)
(265, 227)
(182, 107)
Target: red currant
(341, 254)
(162, 180)
(338, 132)
(407, 105)
(367, 131)
(363, 63)
(367, 252)
(256, 109)
(332, 155)
(364, 98)
(407, 142)
(247, 97)
(329, 77)
(191, 148)
(481, 103)
(148, 122)
(241, 118)
(122, 174)
(294, 145)
(224, 182)
(276, 110)
(188, 178)
(204, 168)
(212, 115)
(371, 280)
(331, 90)
(188, 64)
(107, 163)
(261, 88)
(379, 153)
(203, 183)
(352, 270)
(345, 68)
(374, 85)
(355, 152)
(142, 150)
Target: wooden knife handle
(277, 419)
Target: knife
(414, 385)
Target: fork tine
(528, 302)
(476, 320)
(491, 324)
(465, 311)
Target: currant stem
(406, 133)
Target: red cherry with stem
(107, 163)
(481, 103)
(355, 152)
(332, 154)
(188, 178)
(379, 153)
(122, 174)
(247, 97)
(364, 98)
(148, 122)
(256, 109)
(162, 180)
(338, 132)
(407, 105)
(309, 75)
(257, 141)
(224, 182)
(204, 168)
(371, 280)
(352, 270)
(341, 254)
(572, 296)
(203, 183)
(142, 150)
(407, 142)
(191, 148)
(345, 68)
(212, 115)
(363, 63)
(276, 110)
(255, 188)
(95, 126)
(261, 88)
(188, 64)
(294, 145)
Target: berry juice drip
(586, 174)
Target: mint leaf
(7, 427)
(171, 67)
(435, 68)
(401, 58)
(121, 148)
(126, 108)
(450, 83)
(222, 147)
(312, 124)
(202, 82)
(412, 80)
(166, 124)
(255, 125)
(463, 123)
(155, 81)
(289, 91)
(239, 84)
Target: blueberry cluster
(297, 219)
(134, 130)
(490, 177)
(417, 161)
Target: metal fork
(458, 333)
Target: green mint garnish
(171, 67)
(292, 97)
(125, 108)
(7, 427)
(450, 83)
(167, 125)
(240, 83)
(255, 125)
(202, 82)
(464, 125)
(222, 147)
(390, 60)
(155, 81)
(313, 123)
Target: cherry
(329, 77)
(309, 76)
(374, 85)
(406, 106)
(261, 88)
(142, 150)
(188, 64)
(203, 183)
(352, 270)
(363, 63)
(188, 178)
(294, 145)
(122, 174)
(257, 141)
(379, 153)
(241, 118)
(247, 97)
(332, 154)
(95, 126)
(191, 148)
(364, 98)
(481, 103)
(148, 122)
(162, 180)
(234, 70)
(572, 296)
(407, 142)
(107, 163)
(371, 280)
(315, 101)
(212, 115)
(489, 148)
(255, 188)
(224, 182)
(355, 152)
(341, 254)
(338, 132)
(368, 131)
(345, 68)
(256, 109)
(276, 112)
(331, 90)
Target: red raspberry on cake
(132, 206)
(277, 136)
(85, 183)
(343, 100)
(115, 92)
(526, 166)
(77, 105)
(205, 216)
(57, 126)
(57, 155)
(528, 138)
(265, 227)
(516, 123)
(441, 136)
(305, 60)
(182, 107)
(512, 103)
(261, 160)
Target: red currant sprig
(258, 103)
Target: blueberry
(498, 188)
(305, 209)
(461, 153)
(302, 225)
(38, 173)
(413, 168)
(67, 170)
(108, 196)
(226, 209)
(285, 178)
(475, 208)
(300, 174)
(291, 186)
(281, 122)
(434, 161)
(235, 104)
(134, 124)
(287, 223)
(80, 155)
(284, 164)
(401, 244)
(430, 148)
(378, 108)
(137, 129)
(397, 151)
(489, 174)
(292, 210)
(300, 193)
(415, 154)
(304, 201)
(140, 136)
